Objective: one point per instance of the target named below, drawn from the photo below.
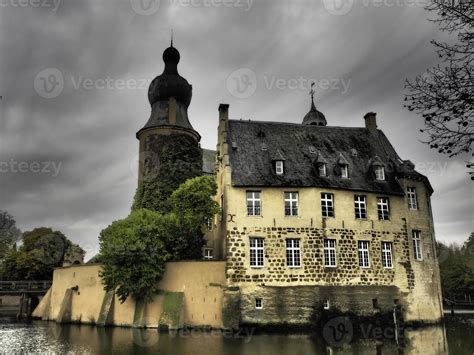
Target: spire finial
(312, 91)
(171, 37)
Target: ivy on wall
(169, 162)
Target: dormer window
(322, 169)
(379, 173)
(279, 167)
(345, 171)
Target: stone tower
(169, 146)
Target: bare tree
(9, 233)
(443, 95)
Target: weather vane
(312, 90)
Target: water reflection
(41, 337)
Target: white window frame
(327, 205)
(293, 253)
(345, 171)
(279, 167)
(210, 224)
(258, 303)
(208, 254)
(326, 304)
(363, 247)
(417, 245)
(254, 203)
(360, 206)
(379, 173)
(292, 198)
(322, 169)
(329, 252)
(412, 198)
(383, 208)
(387, 255)
(257, 252)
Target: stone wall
(312, 270)
(296, 304)
(200, 283)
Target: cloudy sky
(74, 76)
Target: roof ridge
(295, 124)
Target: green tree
(43, 249)
(456, 269)
(9, 233)
(192, 205)
(134, 251)
(134, 254)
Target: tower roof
(314, 117)
(170, 95)
(170, 83)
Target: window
(329, 252)
(326, 304)
(344, 171)
(256, 252)
(210, 224)
(360, 206)
(293, 253)
(363, 254)
(208, 254)
(254, 203)
(383, 208)
(327, 204)
(291, 203)
(412, 200)
(379, 173)
(258, 303)
(322, 169)
(417, 252)
(279, 167)
(387, 255)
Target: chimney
(371, 122)
(224, 112)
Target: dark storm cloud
(107, 53)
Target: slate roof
(254, 144)
(208, 161)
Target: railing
(24, 286)
(466, 301)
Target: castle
(311, 214)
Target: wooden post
(20, 310)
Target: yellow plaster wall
(201, 282)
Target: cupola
(314, 117)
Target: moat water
(455, 337)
